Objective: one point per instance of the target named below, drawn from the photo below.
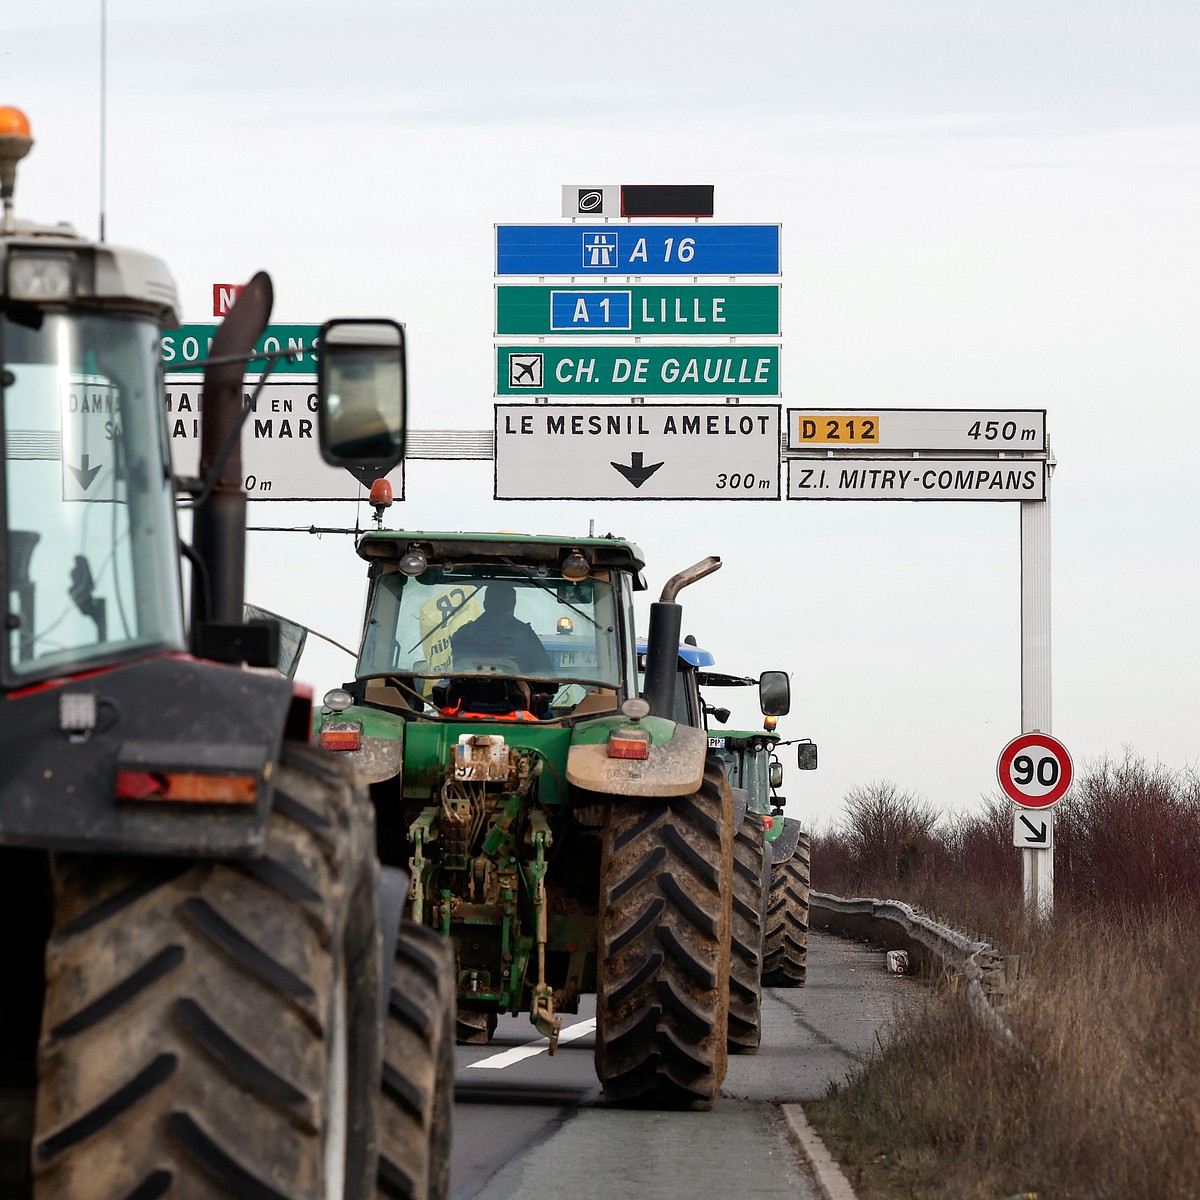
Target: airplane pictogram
(525, 370)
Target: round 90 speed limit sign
(1034, 770)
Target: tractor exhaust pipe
(219, 524)
(662, 638)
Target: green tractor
(753, 824)
(566, 834)
(751, 763)
(786, 955)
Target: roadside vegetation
(1100, 1096)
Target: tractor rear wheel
(210, 1028)
(662, 1003)
(786, 963)
(418, 1069)
(746, 950)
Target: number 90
(1046, 770)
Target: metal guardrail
(979, 963)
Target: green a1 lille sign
(646, 311)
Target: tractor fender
(784, 846)
(381, 755)
(166, 717)
(741, 802)
(675, 766)
(379, 758)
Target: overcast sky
(983, 205)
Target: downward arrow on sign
(636, 473)
(1039, 832)
(83, 472)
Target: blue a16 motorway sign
(637, 249)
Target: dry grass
(1104, 1100)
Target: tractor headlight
(41, 277)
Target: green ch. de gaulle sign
(637, 370)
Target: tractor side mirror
(775, 775)
(292, 638)
(361, 393)
(774, 693)
(806, 756)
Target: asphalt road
(528, 1125)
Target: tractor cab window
(728, 760)
(683, 707)
(90, 557)
(515, 622)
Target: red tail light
(629, 743)
(186, 787)
(341, 735)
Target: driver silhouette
(497, 635)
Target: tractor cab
(496, 627)
(90, 548)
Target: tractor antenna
(103, 105)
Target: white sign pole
(1037, 864)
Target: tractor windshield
(90, 541)
(473, 620)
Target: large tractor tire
(746, 948)
(210, 1027)
(418, 1069)
(786, 963)
(662, 1003)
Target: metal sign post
(1037, 864)
(1001, 454)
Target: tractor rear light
(341, 735)
(39, 277)
(629, 743)
(186, 787)
(768, 822)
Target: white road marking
(506, 1058)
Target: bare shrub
(887, 831)
(1127, 837)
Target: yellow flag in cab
(440, 617)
